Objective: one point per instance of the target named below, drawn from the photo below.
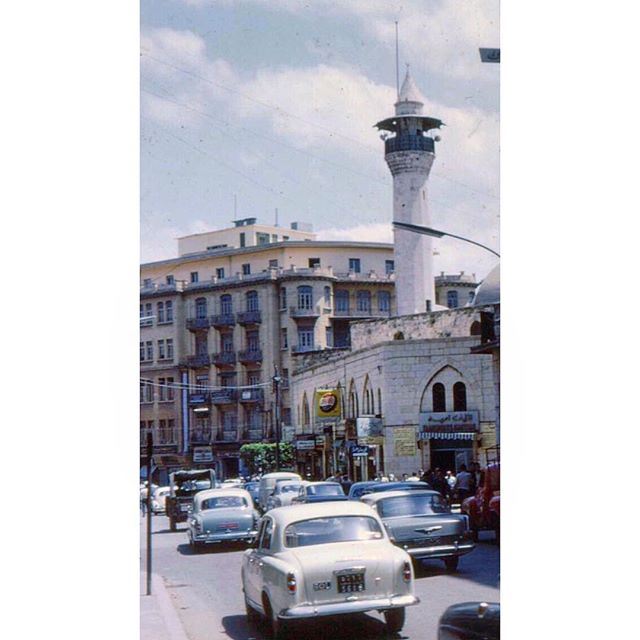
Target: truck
(184, 484)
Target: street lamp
(428, 231)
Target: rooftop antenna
(277, 216)
(397, 66)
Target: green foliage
(261, 457)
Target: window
(168, 307)
(201, 308)
(171, 280)
(283, 297)
(169, 342)
(226, 342)
(149, 355)
(476, 328)
(472, 295)
(246, 269)
(170, 390)
(262, 238)
(384, 301)
(342, 300)
(314, 262)
(273, 264)
(201, 345)
(286, 415)
(389, 266)
(452, 299)
(242, 239)
(364, 301)
(305, 339)
(329, 336)
(332, 529)
(142, 386)
(265, 536)
(161, 351)
(194, 276)
(160, 312)
(439, 403)
(305, 297)
(274, 237)
(142, 352)
(354, 265)
(146, 283)
(285, 378)
(202, 382)
(253, 378)
(327, 297)
(253, 341)
(148, 393)
(226, 304)
(284, 340)
(459, 396)
(228, 379)
(252, 301)
(161, 392)
(220, 273)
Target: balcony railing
(251, 395)
(409, 143)
(249, 317)
(223, 320)
(304, 348)
(161, 437)
(299, 312)
(200, 435)
(223, 396)
(254, 434)
(360, 313)
(224, 358)
(229, 435)
(199, 398)
(250, 355)
(197, 323)
(202, 360)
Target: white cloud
(159, 242)
(380, 232)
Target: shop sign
(202, 454)
(358, 451)
(404, 441)
(305, 443)
(320, 441)
(327, 403)
(369, 427)
(449, 424)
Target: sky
(273, 102)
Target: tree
(261, 457)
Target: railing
(408, 142)
(254, 434)
(199, 398)
(249, 317)
(200, 435)
(197, 323)
(223, 320)
(178, 285)
(361, 313)
(299, 312)
(198, 361)
(224, 358)
(251, 395)
(229, 435)
(223, 396)
(161, 436)
(250, 355)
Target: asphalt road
(206, 591)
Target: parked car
(253, 487)
(184, 486)
(222, 515)
(358, 489)
(323, 560)
(319, 492)
(482, 509)
(268, 484)
(421, 523)
(470, 621)
(284, 493)
(158, 498)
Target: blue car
(358, 489)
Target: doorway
(443, 460)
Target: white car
(323, 560)
(158, 497)
(283, 494)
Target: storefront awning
(447, 435)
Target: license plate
(351, 583)
(227, 526)
(184, 507)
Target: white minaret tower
(409, 155)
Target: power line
(188, 386)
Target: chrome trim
(336, 608)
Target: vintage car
(268, 484)
(253, 487)
(158, 497)
(222, 515)
(482, 509)
(358, 489)
(422, 524)
(323, 560)
(470, 621)
(184, 484)
(319, 492)
(283, 494)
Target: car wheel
(278, 626)
(394, 619)
(451, 563)
(252, 615)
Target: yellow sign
(404, 441)
(327, 403)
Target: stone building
(455, 290)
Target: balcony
(194, 324)
(300, 313)
(200, 435)
(202, 360)
(199, 398)
(360, 313)
(224, 359)
(304, 348)
(250, 356)
(249, 317)
(254, 434)
(223, 396)
(223, 320)
(409, 143)
(251, 395)
(228, 435)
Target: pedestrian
(427, 477)
(414, 477)
(463, 483)
(440, 485)
(451, 480)
(392, 477)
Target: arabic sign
(359, 451)
(369, 427)
(327, 403)
(202, 454)
(305, 442)
(489, 55)
(404, 441)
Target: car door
(256, 560)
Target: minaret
(409, 155)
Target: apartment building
(235, 304)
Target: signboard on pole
(202, 454)
(327, 403)
(489, 55)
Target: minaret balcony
(407, 142)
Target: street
(205, 590)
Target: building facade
(455, 290)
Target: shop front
(448, 439)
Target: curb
(169, 614)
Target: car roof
(222, 492)
(383, 495)
(386, 486)
(286, 515)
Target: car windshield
(223, 502)
(325, 490)
(328, 530)
(412, 506)
(288, 488)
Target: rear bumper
(441, 551)
(356, 606)
(233, 536)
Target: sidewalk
(158, 618)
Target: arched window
(452, 299)
(364, 301)
(305, 297)
(475, 328)
(252, 301)
(459, 396)
(226, 304)
(201, 308)
(306, 416)
(439, 400)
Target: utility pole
(277, 380)
(149, 457)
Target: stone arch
(448, 373)
(352, 401)
(368, 404)
(306, 414)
